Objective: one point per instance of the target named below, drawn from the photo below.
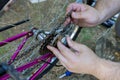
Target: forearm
(107, 8)
(108, 70)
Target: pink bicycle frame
(26, 35)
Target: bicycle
(43, 61)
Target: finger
(69, 8)
(73, 7)
(75, 21)
(76, 7)
(57, 54)
(68, 20)
(78, 15)
(62, 60)
(66, 52)
(74, 45)
(81, 23)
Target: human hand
(78, 59)
(83, 15)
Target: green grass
(1, 38)
(85, 35)
(89, 36)
(2, 49)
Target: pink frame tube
(48, 56)
(18, 50)
(13, 38)
(30, 64)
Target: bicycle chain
(50, 39)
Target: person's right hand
(78, 58)
(83, 15)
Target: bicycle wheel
(43, 14)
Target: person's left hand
(78, 59)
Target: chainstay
(28, 50)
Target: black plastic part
(13, 25)
(90, 2)
(109, 23)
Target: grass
(2, 49)
(87, 35)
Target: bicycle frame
(48, 56)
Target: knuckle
(71, 5)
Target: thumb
(73, 45)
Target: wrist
(93, 69)
(106, 69)
(106, 9)
(101, 16)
